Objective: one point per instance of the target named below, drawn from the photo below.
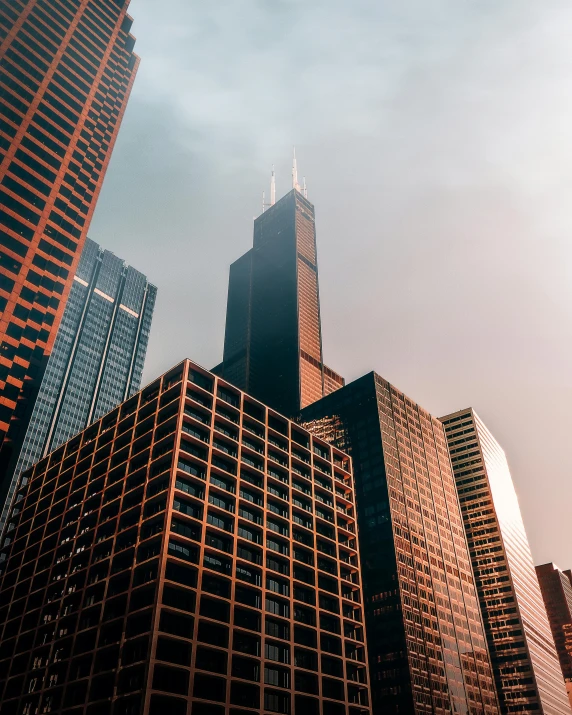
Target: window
(277, 652)
(279, 677)
(245, 668)
(276, 702)
(277, 629)
(214, 661)
(244, 618)
(279, 608)
(278, 586)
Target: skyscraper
(273, 338)
(98, 356)
(66, 71)
(525, 663)
(556, 589)
(192, 546)
(426, 640)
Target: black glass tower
(425, 635)
(273, 339)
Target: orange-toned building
(192, 552)
(66, 71)
(273, 337)
(556, 589)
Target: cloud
(436, 142)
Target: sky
(436, 142)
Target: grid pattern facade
(191, 552)
(66, 71)
(98, 356)
(426, 641)
(556, 590)
(525, 663)
(273, 312)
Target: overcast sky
(436, 141)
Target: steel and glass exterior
(66, 71)
(98, 356)
(426, 640)
(273, 338)
(191, 552)
(528, 674)
(556, 589)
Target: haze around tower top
(435, 138)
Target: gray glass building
(528, 675)
(98, 356)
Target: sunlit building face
(66, 72)
(528, 675)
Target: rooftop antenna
(272, 192)
(304, 188)
(295, 184)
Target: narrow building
(66, 72)
(191, 551)
(556, 589)
(528, 675)
(273, 337)
(425, 635)
(98, 356)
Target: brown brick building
(191, 552)
(66, 71)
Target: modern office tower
(98, 356)
(190, 547)
(66, 70)
(528, 675)
(425, 635)
(556, 589)
(273, 337)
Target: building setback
(426, 641)
(192, 548)
(556, 589)
(528, 674)
(66, 71)
(273, 337)
(98, 356)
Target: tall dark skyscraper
(528, 674)
(66, 71)
(98, 356)
(273, 338)
(191, 552)
(426, 639)
(556, 588)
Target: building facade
(66, 71)
(426, 640)
(556, 589)
(273, 337)
(98, 356)
(190, 552)
(528, 674)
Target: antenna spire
(272, 187)
(304, 188)
(295, 184)
(263, 202)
